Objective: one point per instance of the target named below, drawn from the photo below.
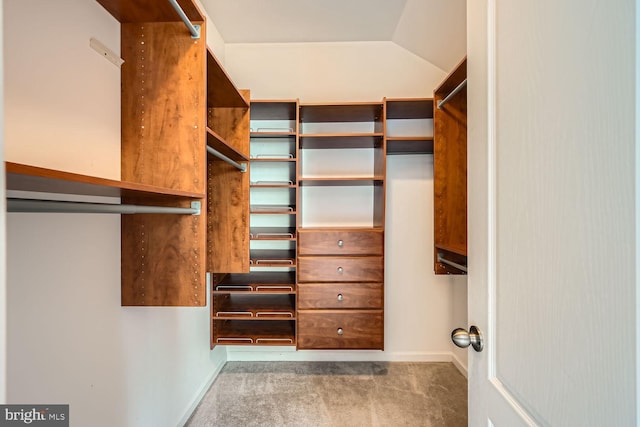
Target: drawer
(340, 242)
(340, 295)
(340, 329)
(340, 269)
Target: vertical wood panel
(163, 106)
(163, 258)
(228, 218)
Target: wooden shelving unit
(450, 175)
(165, 76)
(413, 113)
(340, 266)
(259, 307)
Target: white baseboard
(289, 354)
(203, 390)
(458, 364)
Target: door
(552, 202)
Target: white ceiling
(432, 29)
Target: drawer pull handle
(340, 331)
(340, 297)
(340, 243)
(340, 270)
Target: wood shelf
(32, 178)
(221, 92)
(409, 145)
(273, 258)
(272, 209)
(272, 185)
(258, 281)
(341, 181)
(409, 108)
(150, 11)
(257, 332)
(272, 233)
(454, 248)
(218, 143)
(342, 140)
(273, 159)
(255, 307)
(341, 112)
(271, 135)
(273, 109)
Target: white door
(552, 212)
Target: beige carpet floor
(334, 394)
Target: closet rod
(193, 29)
(57, 206)
(453, 92)
(242, 168)
(451, 263)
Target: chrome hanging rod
(242, 168)
(452, 93)
(193, 29)
(57, 206)
(451, 263)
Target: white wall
(69, 340)
(420, 308)
(337, 72)
(3, 269)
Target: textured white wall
(420, 308)
(69, 340)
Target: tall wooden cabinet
(341, 234)
(450, 173)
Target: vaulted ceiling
(432, 29)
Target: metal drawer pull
(264, 235)
(234, 339)
(233, 287)
(340, 270)
(274, 261)
(273, 313)
(234, 313)
(274, 288)
(340, 297)
(273, 156)
(340, 243)
(287, 340)
(340, 331)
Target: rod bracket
(197, 32)
(197, 206)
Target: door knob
(463, 339)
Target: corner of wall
(219, 357)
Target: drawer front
(340, 242)
(340, 269)
(347, 329)
(340, 295)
